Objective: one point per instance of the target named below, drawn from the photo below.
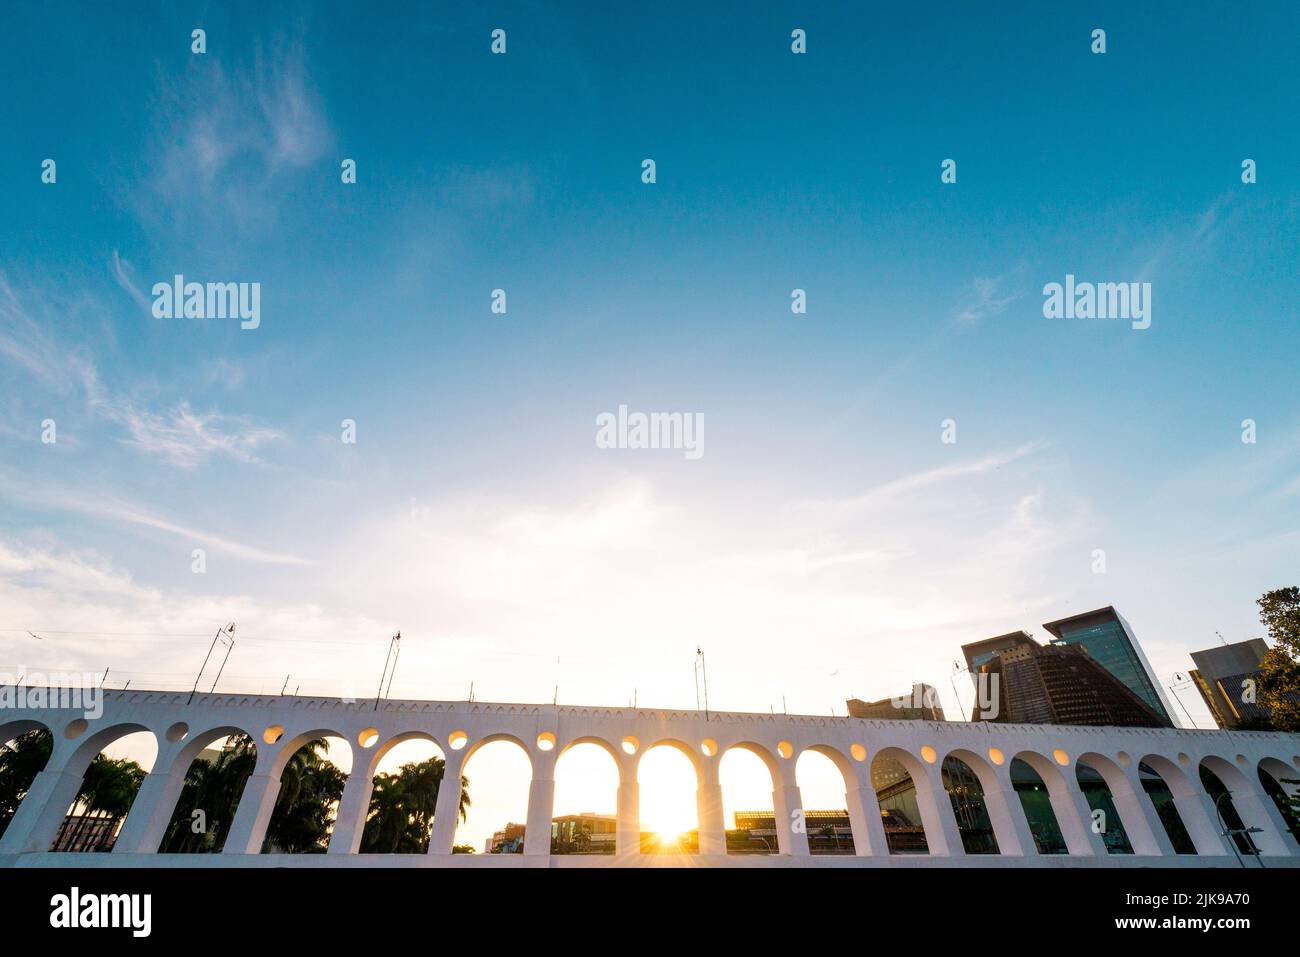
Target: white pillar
(791, 829)
(941, 834)
(1133, 808)
(1253, 807)
(868, 829)
(708, 806)
(354, 807)
(36, 831)
(256, 804)
(446, 812)
(18, 836)
(152, 809)
(541, 804)
(1008, 817)
(627, 837)
(1161, 846)
(1074, 812)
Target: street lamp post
(1231, 833)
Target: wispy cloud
(186, 438)
(895, 489)
(991, 295)
(108, 508)
(183, 437)
(223, 139)
(122, 273)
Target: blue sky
(827, 544)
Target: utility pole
(225, 635)
(394, 650)
(701, 672)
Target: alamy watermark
(71, 691)
(651, 430)
(179, 299)
(1102, 300)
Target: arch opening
(311, 786)
(214, 784)
(966, 795)
(899, 812)
(108, 790)
(22, 757)
(1162, 799)
(826, 820)
(669, 785)
(1228, 818)
(1106, 821)
(747, 804)
(585, 811)
(1036, 802)
(404, 796)
(500, 772)
(1282, 785)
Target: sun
(667, 794)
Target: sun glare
(667, 781)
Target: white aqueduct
(281, 725)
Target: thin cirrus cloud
(223, 139)
(991, 295)
(183, 437)
(122, 272)
(187, 439)
(117, 511)
(889, 492)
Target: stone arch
(1181, 813)
(1276, 778)
(374, 756)
(169, 818)
(584, 821)
(1054, 824)
(403, 821)
(1244, 806)
(1107, 792)
(909, 813)
(88, 830)
(600, 742)
(1002, 835)
(707, 799)
(326, 783)
(830, 829)
(678, 744)
(488, 805)
(752, 832)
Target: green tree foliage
(401, 808)
(214, 788)
(107, 791)
(1279, 678)
(310, 788)
(20, 761)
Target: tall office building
(982, 652)
(1224, 676)
(1062, 684)
(1110, 642)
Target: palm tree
(20, 762)
(310, 788)
(213, 786)
(107, 793)
(402, 807)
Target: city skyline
(459, 286)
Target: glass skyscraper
(1110, 642)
